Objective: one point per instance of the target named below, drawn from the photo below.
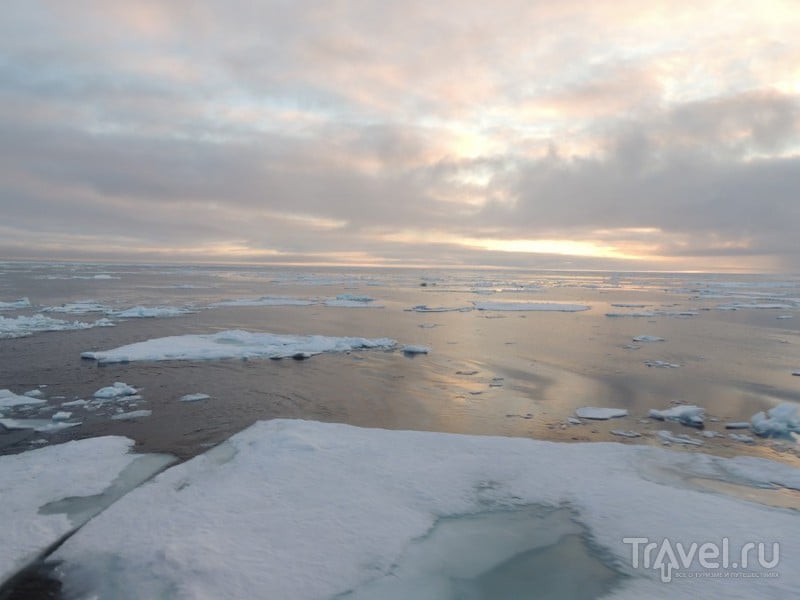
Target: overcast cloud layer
(541, 134)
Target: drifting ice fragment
(602, 414)
(686, 414)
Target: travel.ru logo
(704, 560)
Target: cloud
(287, 132)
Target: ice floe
(267, 301)
(144, 312)
(680, 438)
(38, 425)
(21, 303)
(134, 414)
(302, 510)
(423, 308)
(655, 313)
(416, 349)
(739, 437)
(352, 301)
(686, 414)
(626, 434)
(660, 364)
(780, 421)
(9, 399)
(648, 338)
(234, 344)
(118, 390)
(602, 414)
(24, 326)
(194, 397)
(81, 307)
(48, 492)
(531, 306)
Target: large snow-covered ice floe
(49, 492)
(234, 344)
(24, 326)
(302, 510)
(531, 306)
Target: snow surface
(234, 344)
(302, 510)
(24, 326)
(9, 399)
(32, 481)
(21, 303)
(530, 306)
(591, 412)
(687, 414)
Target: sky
(571, 134)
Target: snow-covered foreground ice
(24, 326)
(48, 492)
(294, 509)
(234, 344)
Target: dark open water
(489, 372)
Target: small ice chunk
(661, 364)
(648, 338)
(600, 414)
(682, 438)
(415, 349)
(118, 390)
(134, 414)
(784, 317)
(780, 421)
(574, 421)
(352, 301)
(267, 301)
(687, 414)
(24, 326)
(627, 434)
(709, 434)
(74, 403)
(61, 415)
(194, 397)
(738, 425)
(33, 394)
(739, 437)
